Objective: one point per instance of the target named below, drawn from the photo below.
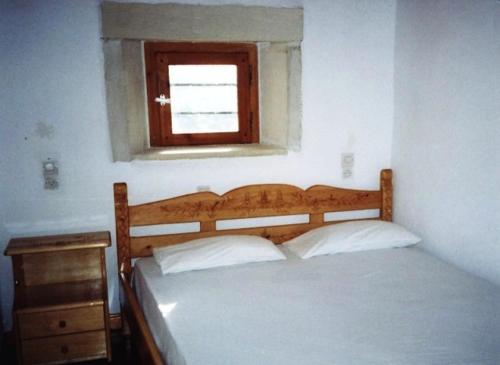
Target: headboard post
(316, 218)
(122, 227)
(386, 189)
(208, 226)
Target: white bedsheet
(396, 306)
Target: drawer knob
(62, 324)
(64, 349)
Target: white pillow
(349, 237)
(215, 251)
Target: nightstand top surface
(29, 245)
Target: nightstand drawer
(60, 349)
(51, 323)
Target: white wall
(52, 75)
(446, 152)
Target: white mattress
(396, 306)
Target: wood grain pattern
(386, 189)
(253, 201)
(143, 246)
(65, 348)
(24, 245)
(107, 322)
(317, 218)
(115, 321)
(245, 202)
(59, 295)
(63, 266)
(122, 227)
(208, 226)
(59, 322)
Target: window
(201, 93)
(275, 32)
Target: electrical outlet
(346, 173)
(347, 160)
(347, 163)
(51, 184)
(50, 174)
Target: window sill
(196, 152)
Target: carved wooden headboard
(246, 202)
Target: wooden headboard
(245, 202)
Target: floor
(120, 350)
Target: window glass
(204, 98)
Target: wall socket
(50, 174)
(347, 164)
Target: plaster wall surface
(53, 105)
(446, 152)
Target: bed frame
(207, 208)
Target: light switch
(347, 163)
(347, 160)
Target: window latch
(162, 100)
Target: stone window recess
(277, 33)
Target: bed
(387, 306)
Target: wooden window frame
(158, 55)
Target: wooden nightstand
(61, 298)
